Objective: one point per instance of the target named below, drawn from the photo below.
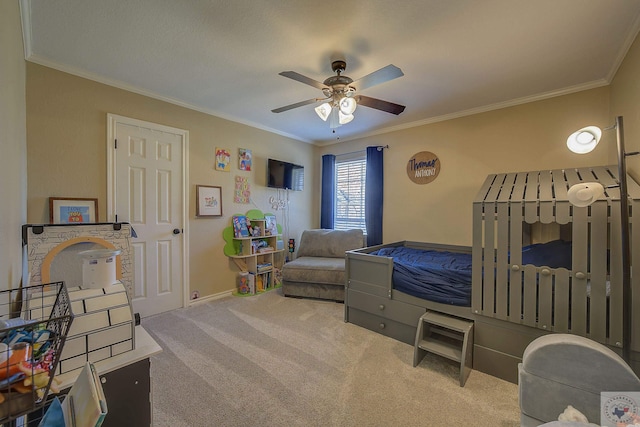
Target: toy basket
(30, 346)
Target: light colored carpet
(268, 360)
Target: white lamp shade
(323, 111)
(585, 193)
(348, 105)
(344, 118)
(584, 140)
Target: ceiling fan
(340, 93)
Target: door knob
(176, 231)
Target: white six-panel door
(147, 190)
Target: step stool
(446, 336)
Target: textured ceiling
(223, 57)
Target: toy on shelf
(246, 284)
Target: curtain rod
(352, 152)
(380, 148)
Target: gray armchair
(558, 370)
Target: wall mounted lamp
(583, 194)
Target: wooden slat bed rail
(585, 300)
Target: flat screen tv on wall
(285, 175)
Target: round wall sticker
(423, 167)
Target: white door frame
(112, 121)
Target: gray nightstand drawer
(385, 308)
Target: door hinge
(116, 218)
(116, 144)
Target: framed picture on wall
(223, 159)
(208, 200)
(244, 159)
(71, 210)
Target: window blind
(350, 185)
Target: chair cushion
(315, 270)
(329, 243)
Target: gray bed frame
(373, 303)
(373, 274)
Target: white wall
(13, 145)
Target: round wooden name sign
(423, 167)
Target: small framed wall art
(208, 200)
(244, 159)
(71, 210)
(223, 159)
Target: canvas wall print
(244, 158)
(223, 159)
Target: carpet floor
(268, 360)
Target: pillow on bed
(554, 254)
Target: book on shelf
(240, 226)
(270, 225)
(261, 268)
(85, 404)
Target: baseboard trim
(212, 297)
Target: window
(350, 185)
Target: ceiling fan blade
(384, 74)
(379, 104)
(296, 105)
(303, 79)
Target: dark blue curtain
(328, 197)
(373, 196)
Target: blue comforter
(439, 276)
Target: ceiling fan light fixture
(344, 118)
(348, 105)
(324, 111)
(340, 93)
(349, 91)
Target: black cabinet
(128, 394)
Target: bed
(389, 288)
(538, 265)
(445, 276)
(432, 276)
(374, 300)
